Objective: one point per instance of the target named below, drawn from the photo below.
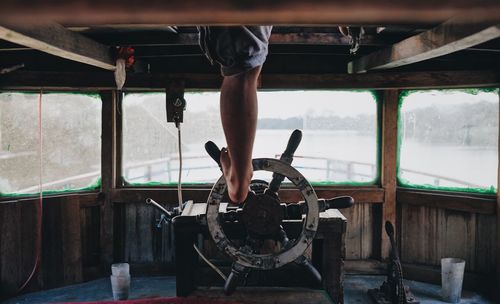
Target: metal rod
(11, 69)
(150, 201)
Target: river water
(473, 165)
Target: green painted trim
(31, 92)
(405, 183)
(96, 185)
(376, 97)
(401, 182)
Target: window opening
(71, 133)
(448, 140)
(339, 145)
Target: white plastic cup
(120, 286)
(452, 277)
(120, 269)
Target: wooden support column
(110, 170)
(1, 147)
(389, 161)
(498, 218)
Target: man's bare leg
(238, 107)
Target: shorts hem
(244, 66)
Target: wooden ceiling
(399, 35)
(189, 12)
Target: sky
(286, 104)
(431, 98)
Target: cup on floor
(452, 276)
(120, 281)
(120, 286)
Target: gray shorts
(236, 48)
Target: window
(339, 142)
(449, 140)
(71, 136)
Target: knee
(244, 79)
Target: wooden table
(328, 253)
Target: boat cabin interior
(376, 155)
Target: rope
(38, 240)
(222, 275)
(179, 180)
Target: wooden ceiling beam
(24, 80)
(449, 37)
(189, 12)
(168, 39)
(56, 40)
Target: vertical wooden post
(498, 215)
(109, 170)
(1, 119)
(332, 269)
(186, 231)
(389, 163)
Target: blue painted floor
(355, 287)
(140, 287)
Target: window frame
(374, 184)
(403, 185)
(96, 186)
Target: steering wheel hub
(262, 216)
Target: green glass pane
(339, 144)
(71, 136)
(448, 140)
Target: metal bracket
(176, 104)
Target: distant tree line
(464, 124)
(359, 123)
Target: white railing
(333, 169)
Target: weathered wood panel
(485, 204)
(485, 244)
(52, 268)
(359, 236)
(10, 248)
(71, 240)
(156, 81)
(137, 239)
(139, 233)
(222, 12)
(429, 234)
(68, 235)
(90, 226)
(61, 242)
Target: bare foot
(237, 179)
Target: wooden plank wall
(360, 238)
(139, 242)
(429, 234)
(70, 244)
